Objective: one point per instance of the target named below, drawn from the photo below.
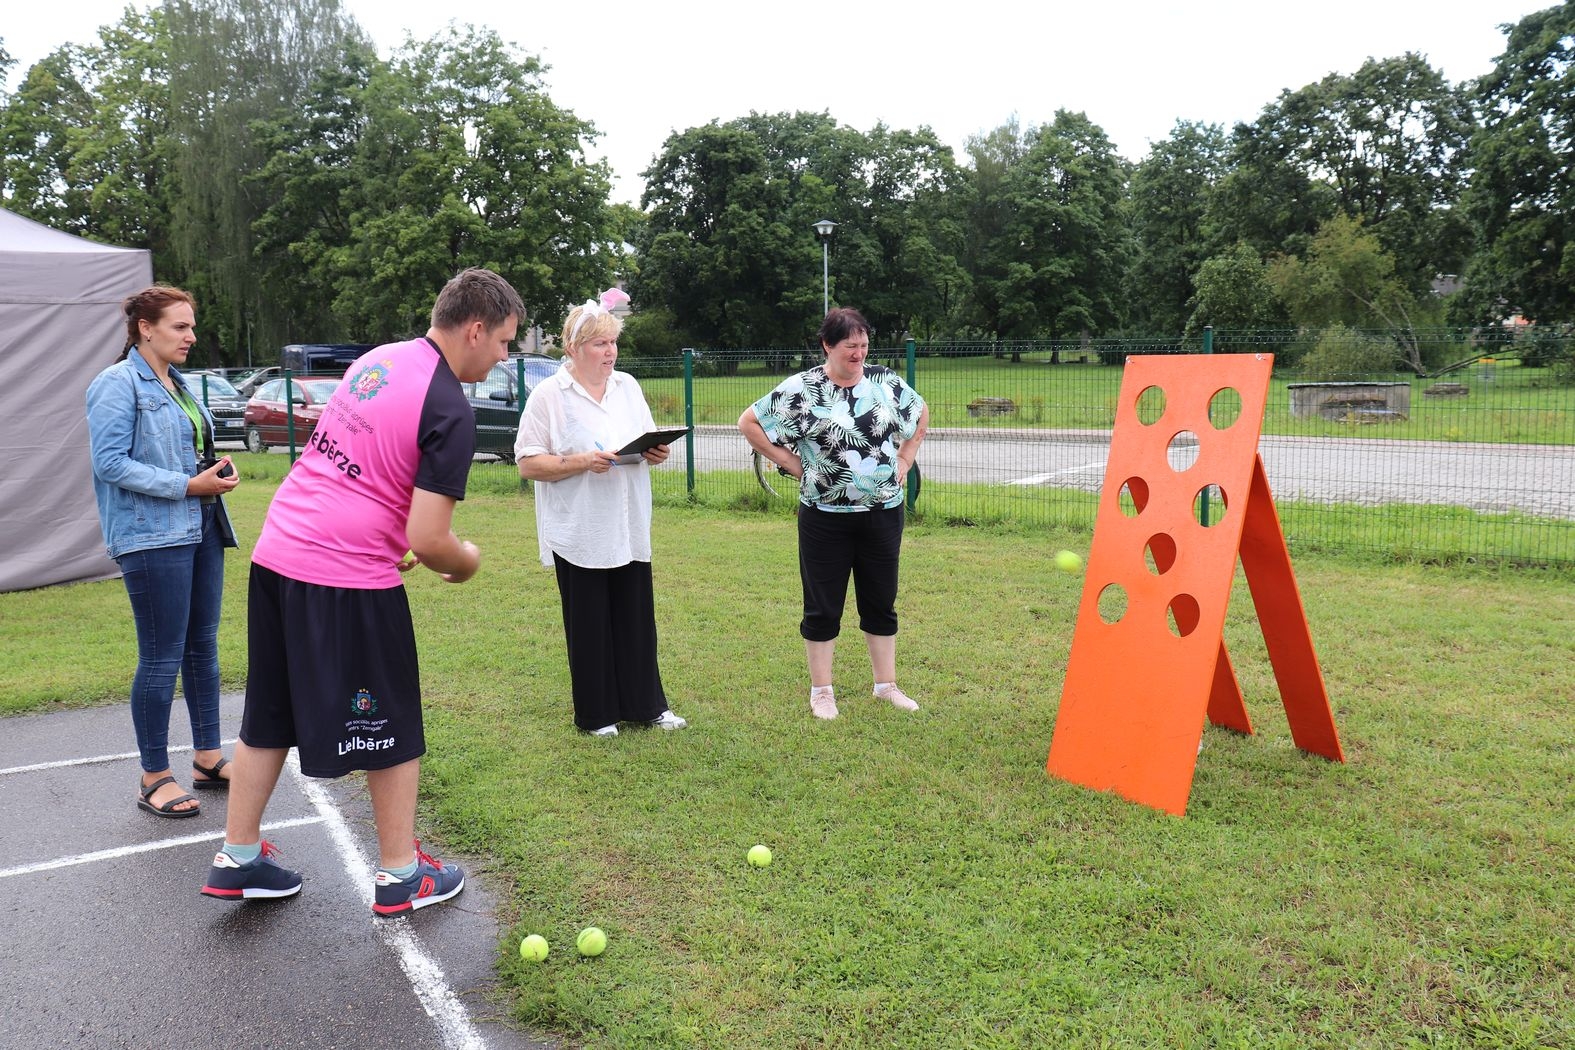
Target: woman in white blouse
(593, 521)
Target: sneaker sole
(249, 894)
(386, 910)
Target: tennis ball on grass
(1068, 561)
(591, 941)
(759, 856)
(533, 948)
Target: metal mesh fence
(1476, 462)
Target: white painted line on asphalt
(142, 847)
(1040, 479)
(89, 761)
(426, 977)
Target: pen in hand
(599, 448)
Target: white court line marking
(90, 760)
(144, 847)
(426, 977)
(1035, 479)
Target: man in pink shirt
(333, 669)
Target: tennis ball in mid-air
(533, 948)
(591, 941)
(759, 856)
(1068, 561)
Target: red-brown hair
(149, 305)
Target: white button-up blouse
(594, 521)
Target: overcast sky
(640, 71)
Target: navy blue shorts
(331, 671)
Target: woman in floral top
(849, 433)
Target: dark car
(226, 404)
(497, 403)
(248, 382)
(266, 420)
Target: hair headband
(611, 298)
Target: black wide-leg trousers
(609, 622)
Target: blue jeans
(176, 593)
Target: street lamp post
(823, 230)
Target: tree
(395, 175)
(717, 251)
(1521, 199)
(1054, 264)
(1170, 191)
(38, 143)
(1233, 292)
(988, 249)
(233, 63)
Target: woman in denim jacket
(158, 488)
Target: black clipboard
(630, 453)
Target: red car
(266, 421)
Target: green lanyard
(184, 400)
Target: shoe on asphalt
(611, 730)
(823, 703)
(897, 698)
(261, 879)
(433, 883)
(668, 720)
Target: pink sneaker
(823, 703)
(897, 698)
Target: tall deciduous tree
(1521, 200)
(38, 142)
(1056, 263)
(398, 174)
(232, 63)
(1170, 192)
(1233, 292)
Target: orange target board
(1184, 496)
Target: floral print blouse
(847, 437)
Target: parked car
(497, 403)
(226, 404)
(267, 421)
(248, 382)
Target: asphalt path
(1534, 479)
(108, 943)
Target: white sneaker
(897, 698)
(605, 731)
(668, 720)
(823, 703)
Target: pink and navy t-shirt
(398, 422)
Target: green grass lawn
(1517, 405)
(931, 885)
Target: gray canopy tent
(60, 325)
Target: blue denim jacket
(143, 453)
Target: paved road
(108, 944)
(1535, 479)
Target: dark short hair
(149, 305)
(841, 323)
(476, 295)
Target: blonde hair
(598, 325)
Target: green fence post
(289, 412)
(913, 481)
(1203, 497)
(689, 417)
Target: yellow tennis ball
(533, 948)
(759, 856)
(591, 941)
(1068, 561)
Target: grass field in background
(931, 885)
(1516, 405)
